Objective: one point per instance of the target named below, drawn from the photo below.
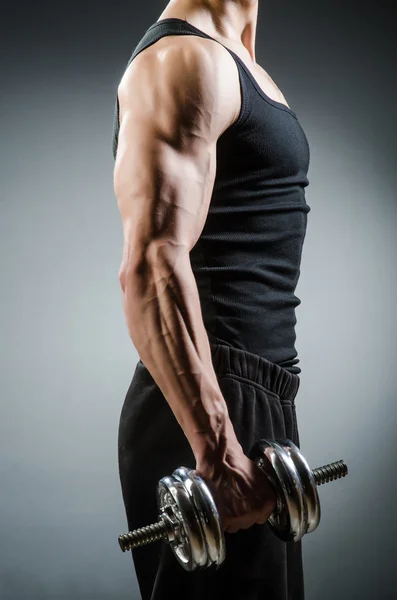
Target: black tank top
(247, 260)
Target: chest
(268, 145)
(262, 77)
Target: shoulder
(179, 55)
(194, 72)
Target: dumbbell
(190, 522)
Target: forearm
(164, 319)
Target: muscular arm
(173, 108)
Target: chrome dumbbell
(189, 519)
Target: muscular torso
(192, 189)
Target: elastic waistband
(256, 369)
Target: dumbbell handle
(162, 529)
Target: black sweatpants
(260, 397)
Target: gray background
(66, 358)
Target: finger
(262, 518)
(231, 530)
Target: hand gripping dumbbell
(189, 519)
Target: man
(210, 172)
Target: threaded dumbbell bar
(189, 520)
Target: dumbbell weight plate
(308, 483)
(299, 515)
(188, 544)
(289, 520)
(207, 512)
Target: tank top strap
(174, 26)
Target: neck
(233, 20)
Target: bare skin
(176, 99)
